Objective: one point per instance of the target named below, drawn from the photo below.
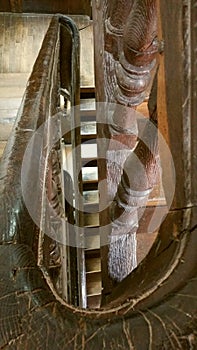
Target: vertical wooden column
(136, 59)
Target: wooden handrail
(57, 66)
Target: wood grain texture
(118, 13)
(131, 71)
(20, 41)
(154, 308)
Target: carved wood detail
(133, 76)
(114, 25)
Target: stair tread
(90, 174)
(88, 128)
(87, 55)
(92, 243)
(88, 150)
(91, 207)
(88, 104)
(90, 197)
(93, 264)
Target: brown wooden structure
(154, 307)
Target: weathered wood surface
(155, 307)
(130, 48)
(20, 41)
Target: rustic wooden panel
(87, 56)
(12, 87)
(20, 40)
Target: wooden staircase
(91, 197)
(12, 86)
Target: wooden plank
(92, 242)
(91, 220)
(87, 57)
(91, 196)
(93, 283)
(22, 38)
(93, 265)
(90, 174)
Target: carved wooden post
(133, 75)
(118, 13)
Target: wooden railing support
(133, 76)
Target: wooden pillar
(133, 76)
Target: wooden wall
(20, 40)
(21, 37)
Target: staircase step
(90, 174)
(90, 197)
(92, 242)
(91, 207)
(88, 104)
(88, 128)
(87, 55)
(91, 219)
(93, 283)
(88, 150)
(93, 265)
